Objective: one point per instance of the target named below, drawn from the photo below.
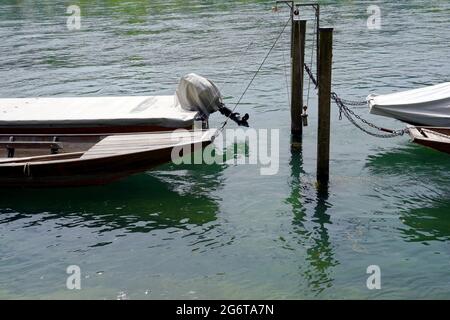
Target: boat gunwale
(30, 160)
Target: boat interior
(45, 147)
(37, 148)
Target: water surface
(225, 231)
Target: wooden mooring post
(324, 79)
(298, 60)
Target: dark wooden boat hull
(432, 137)
(435, 145)
(64, 171)
(96, 171)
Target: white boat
(429, 106)
(195, 98)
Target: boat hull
(428, 106)
(434, 138)
(102, 165)
(93, 115)
(81, 173)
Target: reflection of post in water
(296, 164)
(296, 143)
(320, 255)
(311, 230)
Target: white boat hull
(194, 100)
(93, 114)
(429, 106)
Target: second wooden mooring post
(325, 75)
(298, 60)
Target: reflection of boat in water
(414, 188)
(140, 203)
(428, 223)
(108, 159)
(409, 160)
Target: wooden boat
(88, 159)
(437, 138)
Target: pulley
(305, 116)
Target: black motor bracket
(235, 116)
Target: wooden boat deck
(126, 144)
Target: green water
(225, 231)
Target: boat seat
(11, 146)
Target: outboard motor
(196, 93)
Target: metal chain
(310, 74)
(354, 102)
(351, 116)
(345, 101)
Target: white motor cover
(196, 93)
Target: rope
(254, 76)
(311, 63)
(286, 74)
(351, 115)
(238, 61)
